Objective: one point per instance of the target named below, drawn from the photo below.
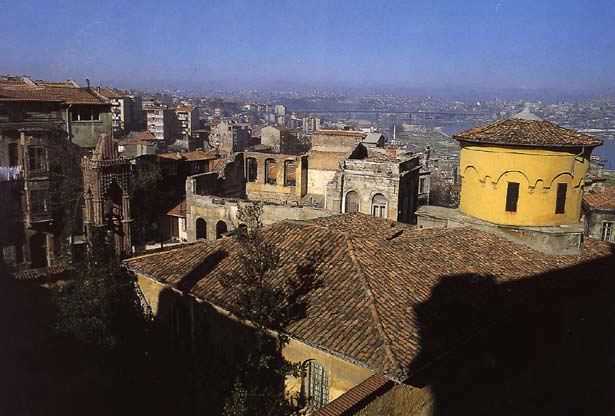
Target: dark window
(13, 155)
(85, 114)
(352, 202)
(271, 171)
(38, 250)
(36, 158)
(512, 196)
(560, 203)
(252, 169)
(201, 229)
(289, 173)
(221, 229)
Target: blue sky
(560, 44)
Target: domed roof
(532, 132)
(526, 114)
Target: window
(38, 203)
(352, 202)
(201, 229)
(221, 229)
(85, 114)
(560, 203)
(13, 155)
(271, 171)
(316, 385)
(289, 173)
(379, 206)
(251, 169)
(422, 185)
(512, 196)
(36, 158)
(608, 231)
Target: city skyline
(353, 46)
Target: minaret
(106, 194)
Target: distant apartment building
(229, 137)
(187, 121)
(126, 110)
(161, 122)
(311, 125)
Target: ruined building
(106, 195)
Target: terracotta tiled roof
(42, 272)
(350, 133)
(27, 94)
(373, 280)
(519, 132)
(108, 92)
(184, 109)
(355, 397)
(178, 210)
(601, 200)
(47, 91)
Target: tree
(101, 305)
(259, 384)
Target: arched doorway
(352, 202)
(201, 229)
(221, 229)
(38, 250)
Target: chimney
(87, 80)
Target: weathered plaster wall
(222, 329)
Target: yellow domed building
(523, 171)
(522, 179)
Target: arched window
(201, 229)
(251, 169)
(379, 206)
(316, 385)
(352, 202)
(221, 229)
(271, 171)
(289, 173)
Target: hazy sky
(464, 43)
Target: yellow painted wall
(486, 171)
(343, 375)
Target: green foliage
(100, 305)
(259, 385)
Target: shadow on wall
(549, 346)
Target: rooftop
(375, 274)
(526, 132)
(67, 92)
(349, 133)
(601, 200)
(190, 156)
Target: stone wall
(282, 190)
(213, 210)
(594, 220)
(396, 181)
